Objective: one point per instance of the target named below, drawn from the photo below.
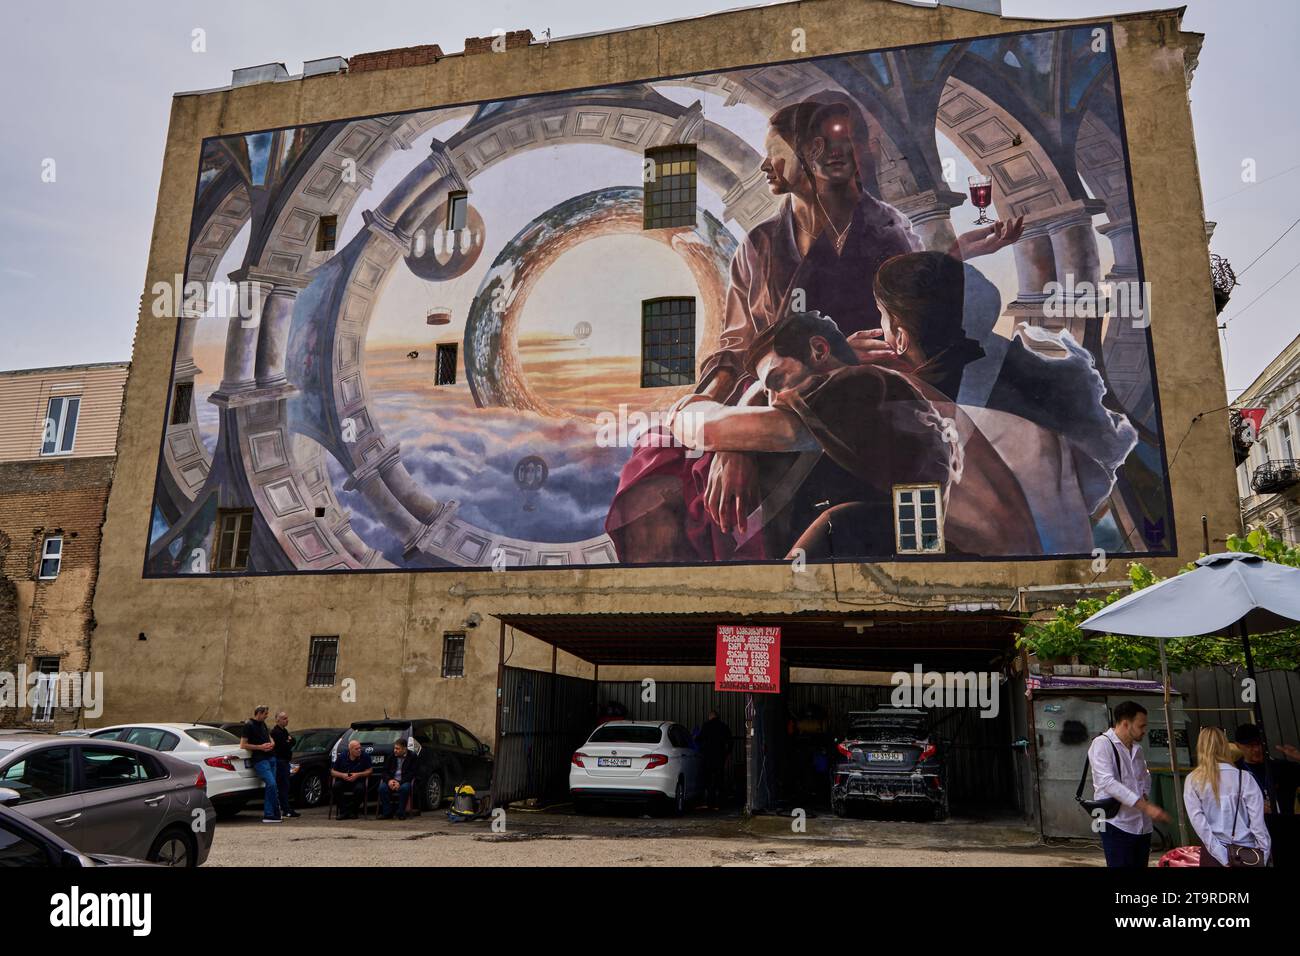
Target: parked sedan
(447, 754)
(309, 766)
(232, 782)
(890, 757)
(636, 760)
(106, 797)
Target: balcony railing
(1274, 476)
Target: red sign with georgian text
(748, 659)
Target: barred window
(667, 342)
(453, 654)
(322, 661)
(670, 195)
(918, 519)
(234, 534)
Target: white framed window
(918, 519)
(1284, 435)
(60, 428)
(51, 557)
(46, 696)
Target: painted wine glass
(981, 194)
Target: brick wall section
(514, 40)
(65, 496)
(392, 59)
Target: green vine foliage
(1060, 636)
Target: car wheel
(433, 791)
(174, 847)
(679, 798)
(313, 790)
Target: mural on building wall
(851, 308)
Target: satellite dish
(438, 315)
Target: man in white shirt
(1119, 770)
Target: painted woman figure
(820, 252)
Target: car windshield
(211, 737)
(626, 734)
(383, 736)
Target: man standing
(1278, 777)
(715, 744)
(1120, 771)
(395, 785)
(257, 741)
(351, 772)
(283, 741)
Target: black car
(890, 757)
(309, 765)
(447, 754)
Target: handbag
(1109, 806)
(1238, 855)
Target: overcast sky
(88, 84)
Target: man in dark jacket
(257, 741)
(395, 785)
(283, 741)
(715, 744)
(351, 772)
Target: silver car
(109, 798)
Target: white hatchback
(228, 767)
(636, 760)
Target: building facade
(1268, 480)
(58, 433)
(461, 420)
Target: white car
(636, 760)
(228, 767)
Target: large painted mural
(899, 313)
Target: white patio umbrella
(1231, 593)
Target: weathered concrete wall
(213, 646)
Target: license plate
(377, 760)
(613, 762)
(876, 756)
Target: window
(60, 425)
(151, 737)
(322, 661)
(1284, 434)
(327, 232)
(446, 735)
(453, 654)
(918, 519)
(667, 342)
(457, 211)
(47, 689)
(670, 195)
(444, 372)
(17, 850)
(210, 737)
(51, 557)
(234, 533)
(103, 768)
(182, 397)
(41, 775)
(467, 741)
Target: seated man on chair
(351, 773)
(396, 782)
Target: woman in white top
(1224, 804)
